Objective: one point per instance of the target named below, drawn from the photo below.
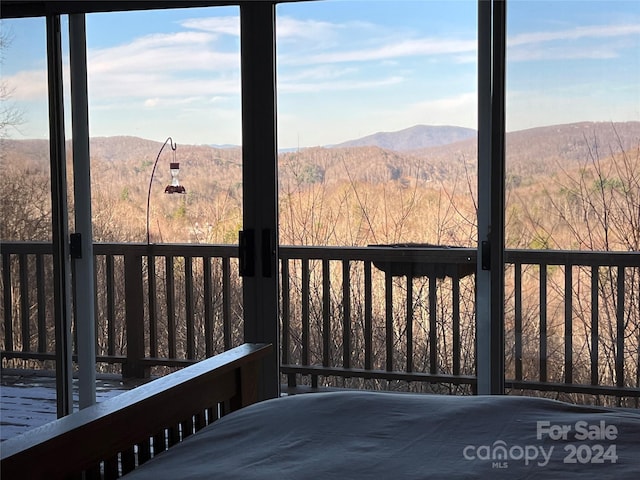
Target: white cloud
(391, 51)
(27, 85)
(166, 67)
(229, 25)
(178, 52)
(597, 42)
(588, 31)
(289, 28)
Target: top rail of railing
(460, 255)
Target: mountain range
(413, 138)
(376, 158)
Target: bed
(350, 435)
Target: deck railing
(366, 317)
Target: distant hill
(534, 152)
(412, 138)
(541, 150)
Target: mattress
(373, 435)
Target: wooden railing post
(134, 317)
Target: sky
(345, 69)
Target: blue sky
(345, 69)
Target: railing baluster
(368, 317)
(208, 307)
(40, 296)
(326, 313)
(153, 306)
(144, 451)
(159, 442)
(226, 301)
(543, 322)
(568, 324)
(286, 311)
(128, 460)
(517, 327)
(111, 467)
(305, 311)
(24, 303)
(455, 292)
(8, 302)
(346, 314)
(620, 328)
(188, 285)
(409, 300)
(594, 325)
(171, 309)
(388, 294)
(433, 326)
(111, 309)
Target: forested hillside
(561, 180)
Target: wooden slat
(111, 309)
(518, 320)
(433, 326)
(346, 314)
(199, 421)
(409, 301)
(543, 322)
(25, 330)
(595, 340)
(144, 450)
(188, 297)
(568, 324)
(326, 313)
(111, 467)
(41, 300)
(226, 301)
(128, 460)
(208, 306)
(368, 317)
(93, 473)
(305, 312)
(171, 309)
(8, 301)
(286, 311)
(159, 442)
(153, 306)
(455, 293)
(388, 298)
(620, 328)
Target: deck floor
(28, 398)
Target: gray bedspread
(368, 435)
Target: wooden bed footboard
(113, 437)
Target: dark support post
(491, 126)
(61, 258)
(134, 312)
(260, 184)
